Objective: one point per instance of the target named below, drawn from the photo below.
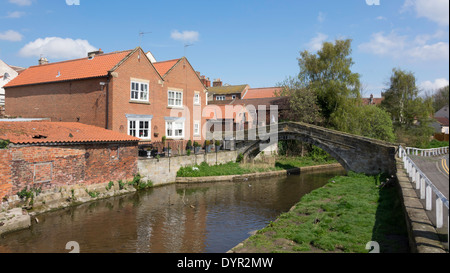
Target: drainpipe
(107, 102)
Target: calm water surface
(200, 218)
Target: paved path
(436, 169)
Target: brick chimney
(217, 83)
(93, 53)
(206, 82)
(43, 60)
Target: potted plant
(189, 145)
(217, 144)
(207, 146)
(196, 147)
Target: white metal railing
(427, 152)
(423, 184)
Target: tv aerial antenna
(141, 34)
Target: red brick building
(51, 154)
(121, 91)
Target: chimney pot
(43, 60)
(93, 53)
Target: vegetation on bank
(342, 216)
(236, 168)
(435, 144)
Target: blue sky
(252, 42)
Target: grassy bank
(343, 216)
(233, 168)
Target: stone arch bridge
(354, 153)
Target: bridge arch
(354, 153)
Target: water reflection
(209, 217)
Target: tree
(329, 76)
(410, 112)
(402, 99)
(302, 102)
(365, 120)
(440, 98)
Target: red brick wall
(120, 88)
(185, 78)
(5, 173)
(73, 101)
(182, 77)
(49, 167)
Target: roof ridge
(168, 60)
(79, 59)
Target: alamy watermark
(373, 2)
(73, 2)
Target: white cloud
(399, 47)
(186, 36)
(432, 86)
(434, 10)
(21, 2)
(316, 43)
(57, 48)
(11, 35)
(15, 14)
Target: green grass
(340, 217)
(234, 168)
(435, 144)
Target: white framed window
(220, 97)
(197, 98)
(233, 97)
(139, 91)
(196, 128)
(175, 128)
(175, 98)
(139, 126)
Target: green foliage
(138, 184)
(441, 98)
(110, 185)
(239, 158)
(188, 152)
(29, 194)
(435, 144)
(410, 113)
(93, 194)
(4, 144)
(339, 217)
(328, 74)
(302, 102)
(364, 120)
(402, 100)
(121, 185)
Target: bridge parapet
(354, 153)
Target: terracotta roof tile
(165, 66)
(58, 132)
(259, 93)
(69, 70)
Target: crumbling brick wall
(48, 167)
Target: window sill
(139, 102)
(175, 107)
(175, 138)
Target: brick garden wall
(50, 167)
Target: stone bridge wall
(355, 153)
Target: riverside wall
(164, 170)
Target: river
(196, 218)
